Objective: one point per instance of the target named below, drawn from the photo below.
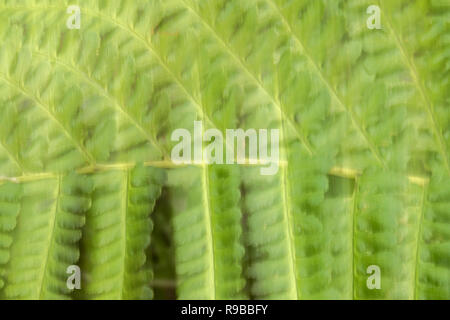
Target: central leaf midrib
(353, 217)
(209, 229)
(50, 240)
(419, 235)
(289, 226)
(124, 211)
(287, 209)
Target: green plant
(85, 140)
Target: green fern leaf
(46, 237)
(117, 233)
(85, 146)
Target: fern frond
(46, 238)
(432, 266)
(207, 233)
(117, 233)
(384, 236)
(364, 124)
(10, 199)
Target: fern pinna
(363, 180)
